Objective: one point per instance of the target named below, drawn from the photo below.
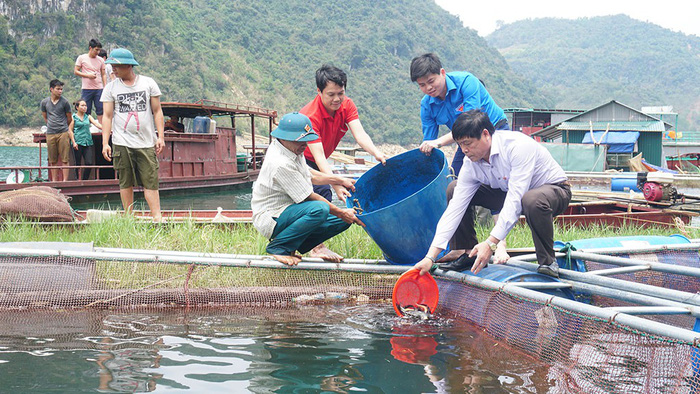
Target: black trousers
(539, 206)
(85, 155)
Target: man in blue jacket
(447, 95)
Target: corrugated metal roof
(545, 110)
(613, 126)
(612, 112)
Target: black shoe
(463, 262)
(549, 270)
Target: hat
(121, 56)
(295, 127)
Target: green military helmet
(295, 127)
(121, 56)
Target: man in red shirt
(332, 114)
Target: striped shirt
(284, 180)
(517, 163)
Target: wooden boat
(615, 214)
(204, 216)
(608, 213)
(189, 161)
(688, 162)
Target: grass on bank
(126, 232)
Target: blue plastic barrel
(624, 184)
(616, 242)
(401, 203)
(201, 124)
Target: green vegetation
(587, 62)
(125, 232)
(252, 52)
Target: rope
(107, 301)
(568, 248)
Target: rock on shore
(17, 136)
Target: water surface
(333, 348)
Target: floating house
(530, 120)
(623, 130)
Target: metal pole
(160, 253)
(640, 289)
(252, 132)
(661, 267)
(634, 322)
(694, 245)
(238, 261)
(620, 261)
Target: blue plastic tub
(201, 124)
(401, 203)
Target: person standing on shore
(91, 69)
(133, 115)
(286, 210)
(57, 115)
(332, 113)
(82, 139)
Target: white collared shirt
(284, 180)
(517, 163)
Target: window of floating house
(621, 145)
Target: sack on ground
(41, 203)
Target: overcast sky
(482, 16)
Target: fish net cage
(673, 256)
(681, 280)
(590, 350)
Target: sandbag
(41, 203)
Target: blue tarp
(617, 141)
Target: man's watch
(491, 245)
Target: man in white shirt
(509, 172)
(134, 119)
(285, 208)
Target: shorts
(58, 145)
(136, 166)
(92, 96)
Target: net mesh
(685, 258)
(36, 202)
(686, 283)
(587, 354)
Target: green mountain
(586, 62)
(253, 52)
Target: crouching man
(285, 208)
(509, 172)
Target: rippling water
(335, 348)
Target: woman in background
(82, 138)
